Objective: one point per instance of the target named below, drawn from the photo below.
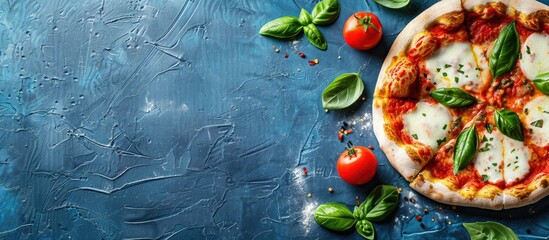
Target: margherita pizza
(461, 106)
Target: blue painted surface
(175, 120)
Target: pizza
(461, 105)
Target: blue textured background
(177, 120)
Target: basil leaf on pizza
(466, 148)
(365, 229)
(542, 83)
(505, 51)
(453, 97)
(334, 216)
(508, 123)
(282, 27)
(315, 36)
(343, 91)
(325, 12)
(305, 18)
(394, 4)
(489, 230)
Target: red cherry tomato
(362, 30)
(357, 165)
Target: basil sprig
(542, 83)
(343, 91)
(282, 27)
(334, 216)
(324, 13)
(453, 97)
(379, 204)
(315, 37)
(489, 230)
(505, 51)
(466, 148)
(394, 4)
(508, 123)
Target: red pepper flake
(371, 147)
(426, 211)
(302, 55)
(419, 218)
(305, 171)
(348, 131)
(340, 136)
(405, 198)
(312, 63)
(286, 55)
(412, 200)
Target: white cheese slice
(454, 65)
(502, 158)
(428, 123)
(490, 157)
(537, 120)
(535, 55)
(515, 159)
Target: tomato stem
(366, 23)
(350, 149)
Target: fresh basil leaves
(334, 216)
(505, 51)
(452, 97)
(343, 91)
(542, 83)
(324, 13)
(379, 204)
(489, 230)
(283, 27)
(508, 123)
(315, 37)
(466, 148)
(394, 4)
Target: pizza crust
(403, 40)
(397, 155)
(439, 192)
(524, 6)
(540, 189)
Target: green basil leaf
(453, 97)
(334, 216)
(358, 213)
(505, 51)
(465, 149)
(394, 4)
(365, 229)
(343, 91)
(283, 27)
(508, 123)
(325, 12)
(489, 231)
(305, 18)
(315, 37)
(542, 83)
(380, 203)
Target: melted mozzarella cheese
(535, 55)
(428, 123)
(515, 159)
(454, 65)
(489, 157)
(502, 158)
(537, 119)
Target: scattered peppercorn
(405, 198)
(399, 190)
(309, 195)
(348, 131)
(432, 219)
(302, 55)
(426, 211)
(356, 201)
(422, 225)
(371, 147)
(412, 200)
(419, 218)
(316, 60)
(311, 63)
(330, 189)
(305, 172)
(277, 50)
(286, 55)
